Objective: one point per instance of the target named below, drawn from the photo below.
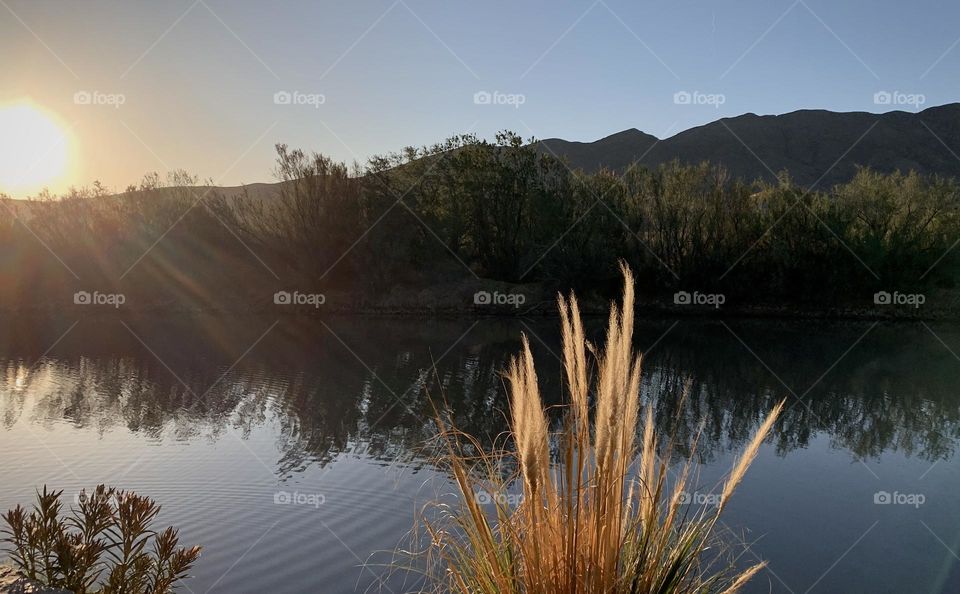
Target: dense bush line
(514, 214)
(509, 212)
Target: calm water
(220, 419)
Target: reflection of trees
(881, 396)
(325, 403)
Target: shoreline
(642, 310)
(470, 298)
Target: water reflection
(343, 384)
(869, 388)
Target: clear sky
(145, 86)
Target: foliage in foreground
(599, 512)
(101, 546)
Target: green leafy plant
(104, 545)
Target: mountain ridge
(815, 146)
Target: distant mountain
(806, 143)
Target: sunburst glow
(34, 149)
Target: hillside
(806, 143)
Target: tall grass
(600, 511)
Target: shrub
(503, 209)
(102, 545)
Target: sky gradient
(192, 84)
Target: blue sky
(198, 78)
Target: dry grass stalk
(602, 517)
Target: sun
(34, 149)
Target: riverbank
(475, 298)
(12, 582)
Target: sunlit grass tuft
(599, 512)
